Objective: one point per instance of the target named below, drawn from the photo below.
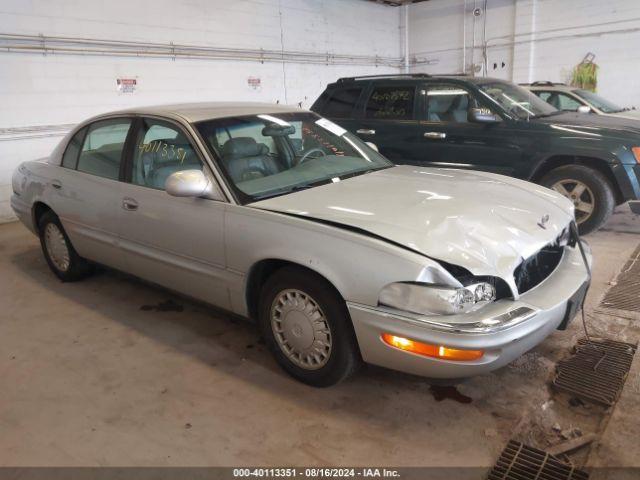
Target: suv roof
(404, 76)
(563, 87)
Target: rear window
(391, 103)
(342, 103)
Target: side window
(543, 95)
(161, 149)
(391, 103)
(448, 103)
(342, 103)
(101, 153)
(566, 102)
(70, 157)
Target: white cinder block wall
(55, 90)
(534, 39)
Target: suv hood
(484, 222)
(593, 124)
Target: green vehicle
(493, 125)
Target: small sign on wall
(126, 85)
(254, 82)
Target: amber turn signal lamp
(436, 351)
(636, 153)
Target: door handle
(435, 135)
(56, 184)
(365, 131)
(129, 204)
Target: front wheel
(588, 189)
(306, 325)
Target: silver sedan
(279, 215)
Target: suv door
(173, 241)
(87, 189)
(390, 120)
(448, 139)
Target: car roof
(196, 112)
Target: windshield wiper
(362, 172)
(294, 188)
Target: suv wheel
(306, 325)
(61, 257)
(588, 189)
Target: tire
(310, 314)
(598, 192)
(62, 258)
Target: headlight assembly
(428, 299)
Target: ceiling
(397, 3)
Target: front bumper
(533, 317)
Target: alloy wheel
(581, 196)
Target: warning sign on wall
(126, 85)
(254, 82)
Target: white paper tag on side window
(332, 127)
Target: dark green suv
(497, 126)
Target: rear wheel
(588, 189)
(61, 257)
(307, 327)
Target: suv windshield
(598, 102)
(268, 155)
(516, 100)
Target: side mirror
(373, 146)
(482, 115)
(584, 109)
(189, 183)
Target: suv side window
(70, 157)
(448, 103)
(391, 103)
(101, 152)
(161, 148)
(559, 100)
(342, 102)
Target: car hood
(628, 114)
(484, 222)
(592, 124)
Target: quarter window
(391, 103)
(161, 149)
(342, 103)
(448, 103)
(101, 153)
(70, 157)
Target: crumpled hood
(484, 222)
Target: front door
(449, 139)
(173, 241)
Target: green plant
(585, 74)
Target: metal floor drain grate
(521, 462)
(625, 294)
(596, 371)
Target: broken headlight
(430, 299)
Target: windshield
(598, 102)
(516, 100)
(268, 155)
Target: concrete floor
(91, 376)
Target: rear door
(173, 241)
(87, 189)
(390, 120)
